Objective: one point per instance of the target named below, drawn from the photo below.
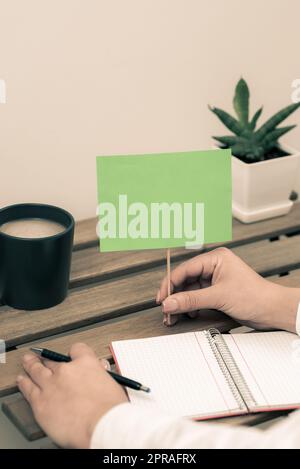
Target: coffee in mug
(31, 228)
(36, 243)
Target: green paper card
(164, 200)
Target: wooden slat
(272, 258)
(82, 307)
(249, 420)
(134, 326)
(291, 280)
(85, 230)
(137, 325)
(19, 412)
(133, 293)
(85, 233)
(89, 265)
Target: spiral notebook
(205, 374)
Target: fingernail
(173, 320)
(19, 378)
(169, 320)
(170, 305)
(106, 364)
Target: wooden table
(112, 297)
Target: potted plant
(263, 171)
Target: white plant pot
(262, 190)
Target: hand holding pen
(58, 357)
(68, 400)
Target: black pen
(58, 357)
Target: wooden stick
(169, 271)
(167, 318)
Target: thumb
(183, 302)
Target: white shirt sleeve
(127, 426)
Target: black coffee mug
(34, 272)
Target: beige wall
(89, 77)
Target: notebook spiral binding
(230, 370)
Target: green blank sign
(164, 200)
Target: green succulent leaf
(255, 118)
(247, 143)
(248, 150)
(277, 133)
(239, 150)
(257, 153)
(272, 123)
(241, 102)
(230, 122)
(227, 141)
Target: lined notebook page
(181, 371)
(270, 363)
